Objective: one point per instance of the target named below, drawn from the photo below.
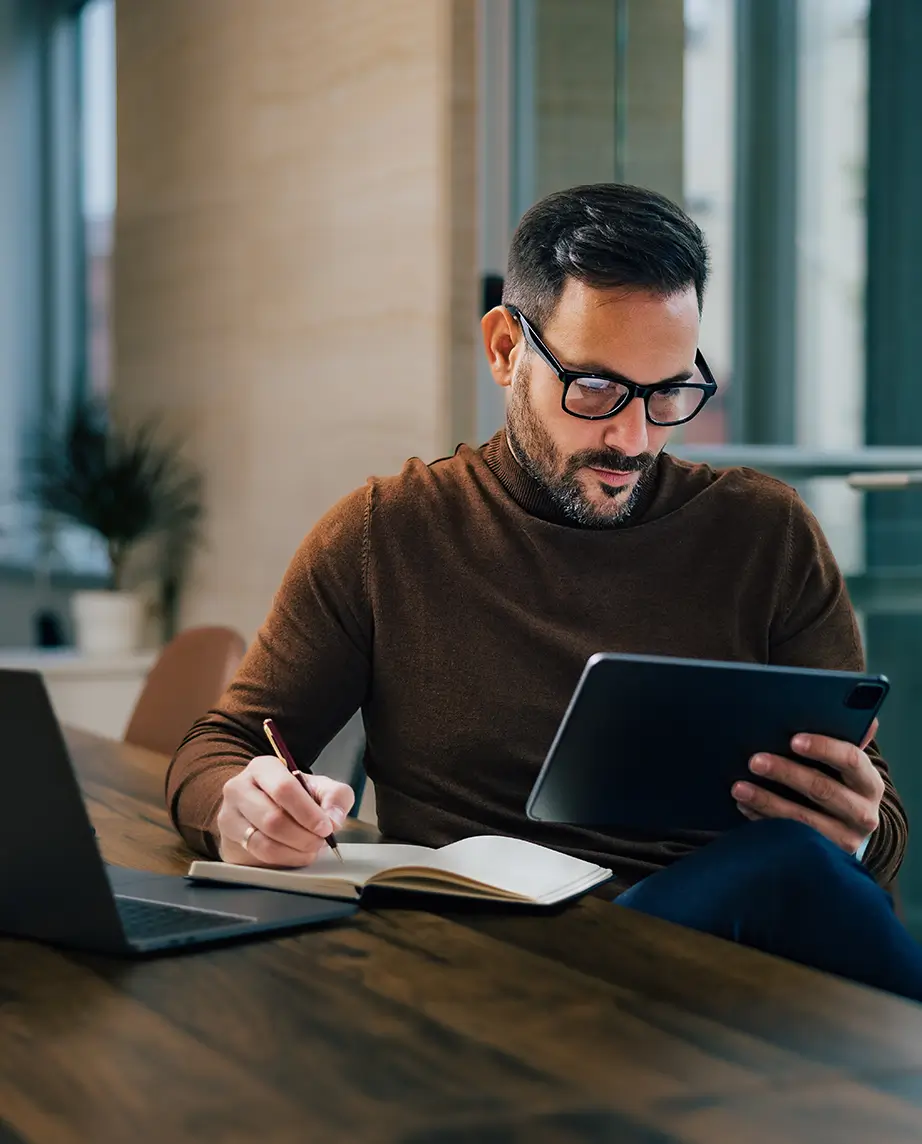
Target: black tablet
(654, 743)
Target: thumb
(335, 798)
(872, 731)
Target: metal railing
(870, 469)
(791, 462)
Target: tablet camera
(864, 697)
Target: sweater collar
(531, 496)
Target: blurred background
(255, 239)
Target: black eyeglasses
(597, 396)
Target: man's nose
(627, 430)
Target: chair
(188, 677)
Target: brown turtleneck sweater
(456, 608)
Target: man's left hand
(846, 811)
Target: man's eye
(596, 384)
(671, 393)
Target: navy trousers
(781, 887)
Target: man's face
(592, 469)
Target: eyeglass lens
(596, 396)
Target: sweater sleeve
(308, 668)
(814, 626)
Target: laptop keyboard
(142, 920)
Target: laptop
(55, 885)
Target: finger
(274, 779)
(336, 798)
(857, 770)
(771, 805)
(748, 812)
(269, 818)
(831, 796)
(871, 734)
(260, 850)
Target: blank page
(362, 860)
(518, 867)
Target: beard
(534, 449)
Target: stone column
(295, 282)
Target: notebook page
(507, 867)
(578, 886)
(510, 864)
(326, 875)
(362, 860)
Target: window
(70, 547)
(57, 112)
(98, 188)
(708, 170)
(830, 247)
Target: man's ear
(501, 341)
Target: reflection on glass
(565, 96)
(709, 178)
(832, 157)
(97, 66)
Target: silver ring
(250, 831)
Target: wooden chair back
(188, 677)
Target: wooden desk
(593, 1025)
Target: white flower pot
(107, 623)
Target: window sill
(12, 572)
(69, 663)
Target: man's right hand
(290, 825)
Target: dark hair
(605, 234)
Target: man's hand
(846, 811)
(290, 827)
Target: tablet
(654, 743)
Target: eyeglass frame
(567, 376)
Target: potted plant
(128, 486)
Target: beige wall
(295, 277)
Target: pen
(278, 745)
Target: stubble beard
(534, 449)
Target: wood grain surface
(445, 1024)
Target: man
(457, 602)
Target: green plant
(127, 485)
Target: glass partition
(755, 113)
(97, 197)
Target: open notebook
(488, 866)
